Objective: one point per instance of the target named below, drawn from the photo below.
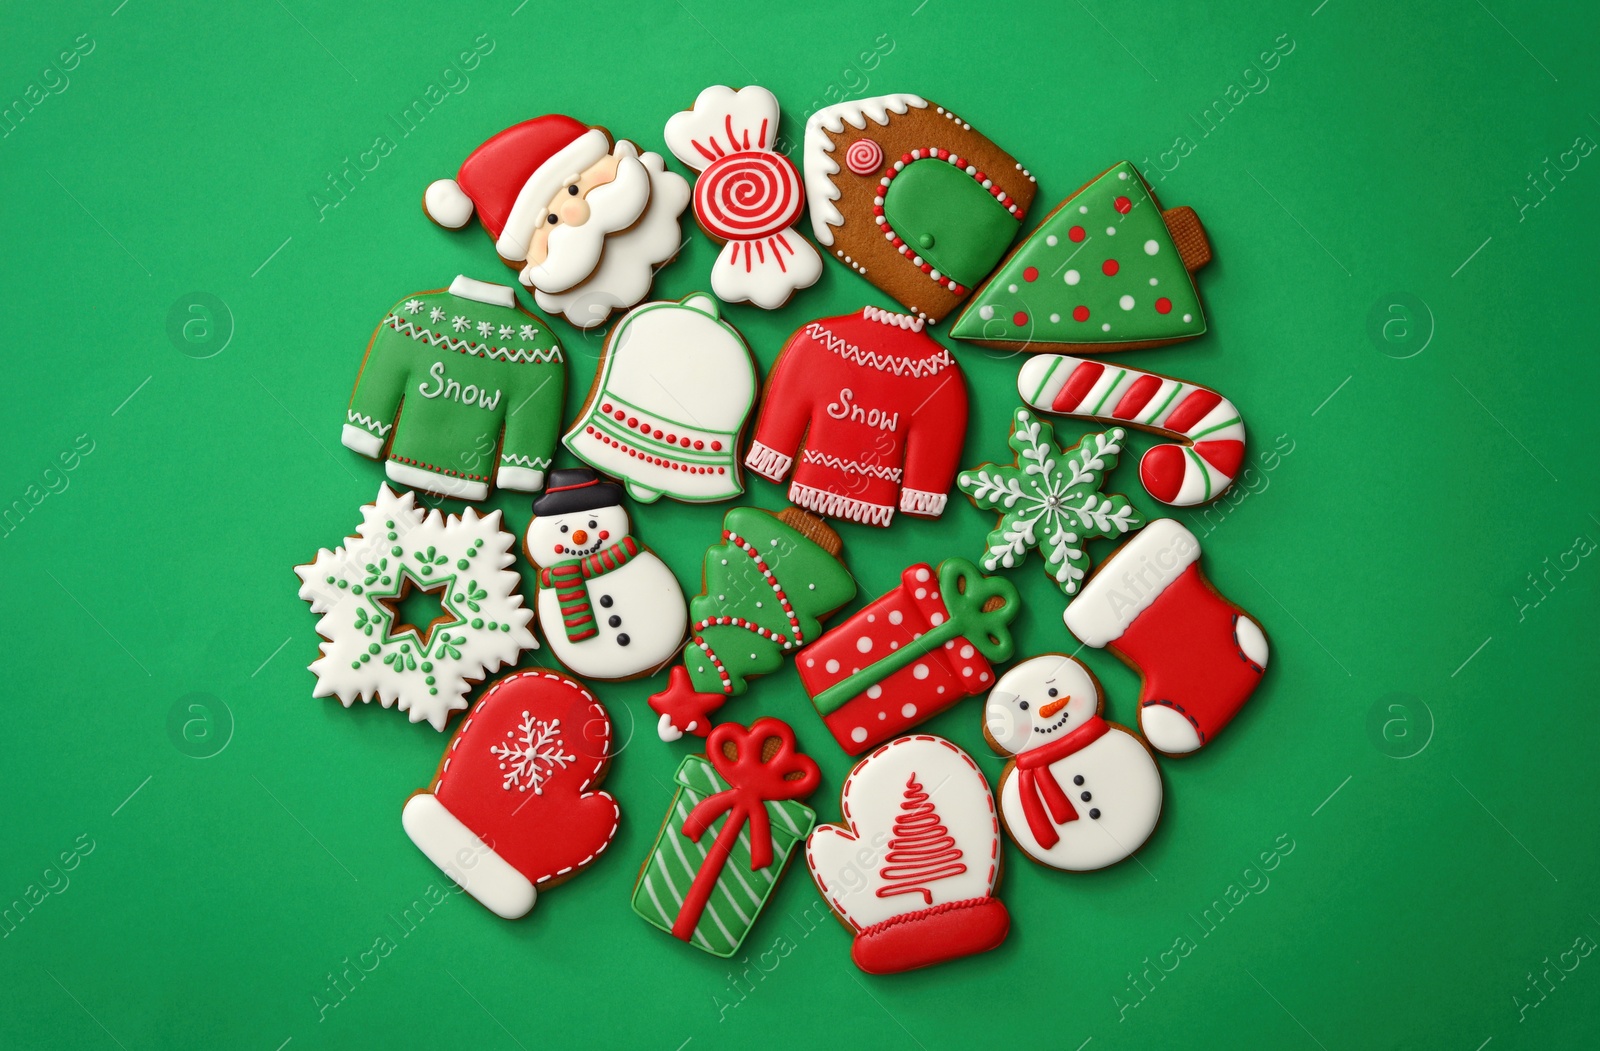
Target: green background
(1440, 457)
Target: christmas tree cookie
(1107, 270)
(768, 585)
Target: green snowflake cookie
(1050, 499)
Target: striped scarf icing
(572, 592)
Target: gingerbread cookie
(912, 871)
(730, 830)
(912, 198)
(1107, 270)
(880, 409)
(768, 585)
(515, 805)
(1195, 472)
(611, 609)
(371, 651)
(1199, 656)
(447, 373)
(1050, 499)
(585, 222)
(748, 196)
(1079, 793)
(675, 386)
(910, 654)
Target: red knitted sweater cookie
(881, 409)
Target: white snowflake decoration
(1050, 499)
(363, 659)
(413, 305)
(506, 331)
(485, 329)
(436, 315)
(528, 332)
(459, 323)
(533, 755)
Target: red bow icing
(752, 782)
(1040, 789)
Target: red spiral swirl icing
(921, 851)
(748, 195)
(864, 157)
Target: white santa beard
(1124, 785)
(573, 250)
(629, 261)
(647, 599)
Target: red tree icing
(920, 849)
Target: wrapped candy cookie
(730, 830)
(910, 654)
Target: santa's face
(1039, 701)
(576, 534)
(604, 198)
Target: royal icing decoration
(748, 195)
(731, 827)
(881, 410)
(1200, 656)
(1196, 472)
(1079, 793)
(923, 207)
(514, 806)
(910, 654)
(675, 386)
(585, 222)
(912, 870)
(1107, 270)
(447, 373)
(767, 586)
(371, 651)
(1050, 499)
(611, 609)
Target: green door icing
(947, 218)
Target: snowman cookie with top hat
(611, 609)
(1080, 793)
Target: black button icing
(622, 640)
(1078, 780)
(605, 600)
(614, 620)
(1084, 796)
(1094, 813)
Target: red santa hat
(511, 178)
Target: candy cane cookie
(1195, 472)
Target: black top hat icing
(576, 489)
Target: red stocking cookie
(730, 830)
(912, 198)
(585, 222)
(748, 195)
(514, 806)
(1196, 472)
(912, 870)
(881, 410)
(1200, 656)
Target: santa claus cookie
(460, 386)
(1079, 793)
(1211, 429)
(675, 386)
(768, 585)
(912, 871)
(1200, 657)
(515, 805)
(731, 828)
(585, 222)
(611, 608)
(1107, 270)
(869, 412)
(376, 646)
(910, 654)
(748, 196)
(912, 198)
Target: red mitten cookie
(913, 869)
(912, 198)
(514, 806)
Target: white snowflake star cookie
(365, 589)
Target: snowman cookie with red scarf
(611, 609)
(1079, 793)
